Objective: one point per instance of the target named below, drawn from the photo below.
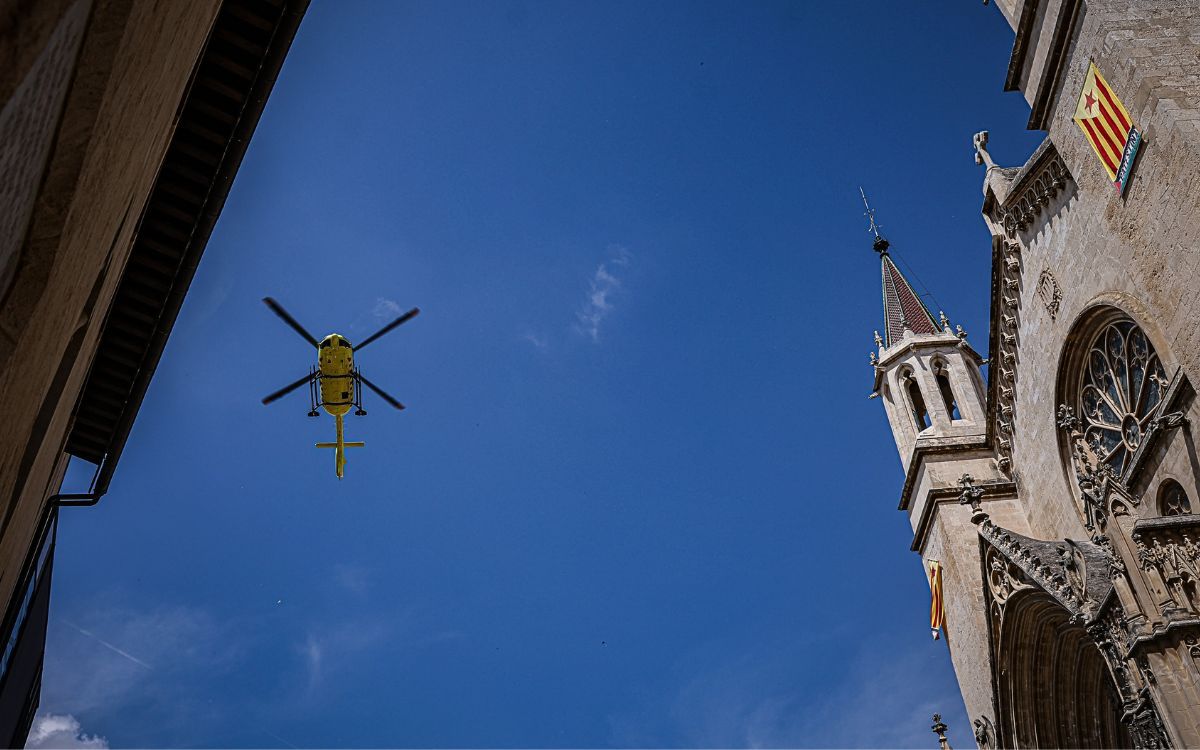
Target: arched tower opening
(941, 372)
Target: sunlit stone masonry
(1060, 495)
(122, 126)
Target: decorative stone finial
(981, 154)
(873, 360)
(939, 728)
(973, 496)
(958, 331)
(878, 340)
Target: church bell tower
(929, 380)
(926, 374)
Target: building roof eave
(98, 433)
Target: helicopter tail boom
(340, 448)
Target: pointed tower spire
(902, 308)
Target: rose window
(1123, 386)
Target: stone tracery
(1122, 387)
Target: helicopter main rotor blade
(286, 389)
(382, 393)
(398, 321)
(287, 318)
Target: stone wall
(1138, 252)
(133, 66)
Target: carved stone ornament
(1075, 573)
(970, 494)
(1168, 550)
(1049, 292)
(981, 153)
(1091, 473)
(985, 733)
(1111, 634)
(1146, 728)
(1034, 192)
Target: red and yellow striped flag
(1107, 126)
(937, 607)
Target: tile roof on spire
(902, 308)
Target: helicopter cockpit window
(344, 343)
(326, 344)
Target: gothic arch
(913, 399)
(1173, 499)
(1053, 685)
(945, 380)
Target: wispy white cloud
(386, 309)
(313, 655)
(603, 285)
(60, 731)
(352, 578)
(538, 340)
(754, 697)
(331, 649)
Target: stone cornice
(910, 343)
(1016, 61)
(1042, 107)
(1164, 632)
(1002, 489)
(1041, 86)
(1185, 521)
(1042, 177)
(959, 445)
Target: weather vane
(881, 245)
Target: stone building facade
(122, 125)
(1062, 496)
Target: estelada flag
(937, 608)
(1108, 127)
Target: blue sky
(639, 496)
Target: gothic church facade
(1061, 495)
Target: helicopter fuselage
(335, 362)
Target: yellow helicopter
(335, 384)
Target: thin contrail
(108, 645)
(280, 739)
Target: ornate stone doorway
(1053, 686)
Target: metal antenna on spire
(881, 245)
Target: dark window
(1173, 500)
(943, 381)
(326, 344)
(919, 412)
